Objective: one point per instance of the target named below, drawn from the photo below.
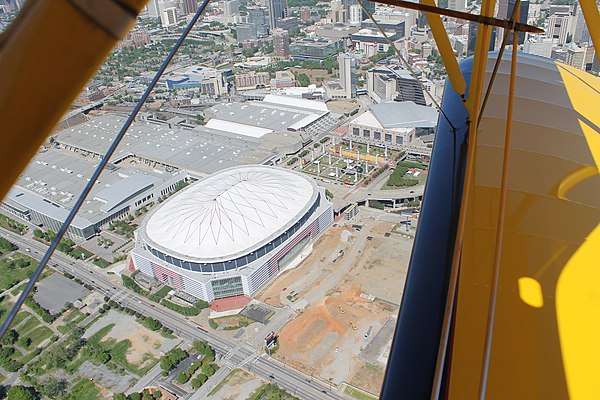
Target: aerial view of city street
(250, 237)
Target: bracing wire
(115, 143)
(495, 283)
(405, 62)
(496, 66)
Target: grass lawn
(159, 294)
(5, 305)
(118, 351)
(78, 251)
(85, 389)
(21, 316)
(101, 262)
(16, 291)
(233, 322)
(74, 317)
(15, 269)
(12, 225)
(38, 335)
(358, 395)
(28, 325)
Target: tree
(120, 396)
(207, 369)
(53, 387)
(303, 79)
(183, 377)
(153, 324)
(10, 337)
(6, 245)
(25, 342)
(20, 393)
(199, 381)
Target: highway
(292, 380)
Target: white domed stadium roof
(230, 213)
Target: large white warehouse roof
(230, 213)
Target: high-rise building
(458, 5)
(347, 66)
(188, 6)
(252, 80)
(305, 14)
(231, 8)
(337, 13)
(278, 10)
(558, 27)
(370, 6)
(355, 16)
(281, 43)
(156, 7)
(245, 32)
(523, 14)
(581, 33)
(409, 89)
(540, 48)
(502, 10)
(257, 17)
(576, 57)
(169, 17)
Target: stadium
(228, 234)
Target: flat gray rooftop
(59, 177)
(260, 114)
(201, 150)
(405, 114)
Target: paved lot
(257, 313)
(117, 383)
(54, 292)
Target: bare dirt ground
(352, 284)
(341, 106)
(144, 342)
(239, 385)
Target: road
(263, 366)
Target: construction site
(347, 294)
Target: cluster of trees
(172, 359)
(21, 393)
(6, 245)
(292, 161)
(397, 178)
(145, 395)
(65, 245)
(207, 367)
(382, 54)
(121, 227)
(6, 360)
(60, 355)
(39, 310)
(12, 225)
(271, 391)
(129, 283)
(47, 236)
(302, 79)
(376, 174)
(183, 310)
(303, 153)
(150, 323)
(79, 281)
